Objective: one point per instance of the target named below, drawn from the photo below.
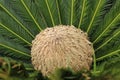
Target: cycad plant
(22, 20)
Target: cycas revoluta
(22, 20)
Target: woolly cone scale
(61, 47)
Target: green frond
(68, 8)
(54, 11)
(115, 33)
(83, 16)
(36, 11)
(27, 9)
(107, 51)
(110, 35)
(82, 12)
(75, 12)
(5, 27)
(10, 14)
(108, 55)
(109, 69)
(69, 11)
(72, 7)
(11, 23)
(58, 8)
(51, 11)
(72, 11)
(110, 21)
(23, 16)
(62, 11)
(14, 50)
(33, 7)
(96, 14)
(97, 7)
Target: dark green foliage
(11, 70)
(22, 20)
(10, 48)
(68, 74)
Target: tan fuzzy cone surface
(61, 47)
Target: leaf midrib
(8, 29)
(89, 27)
(81, 17)
(14, 50)
(108, 55)
(106, 28)
(108, 40)
(39, 27)
(53, 23)
(72, 4)
(16, 20)
(58, 12)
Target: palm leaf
(85, 9)
(9, 48)
(108, 55)
(113, 36)
(107, 51)
(54, 11)
(97, 7)
(38, 15)
(12, 28)
(3, 26)
(110, 21)
(97, 14)
(68, 7)
(109, 69)
(23, 16)
(27, 9)
(10, 14)
(110, 35)
(58, 8)
(51, 13)
(82, 12)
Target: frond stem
(22, 1)
(2, 25)
(106, 28)
(14, 50)
(16, 20)
(108, 55)
(72, 5)
(58, 12)
(108, 41)
(93, 16)
(81, 17)
(46, 1)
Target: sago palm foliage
(22, 20)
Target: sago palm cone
(61, 47)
